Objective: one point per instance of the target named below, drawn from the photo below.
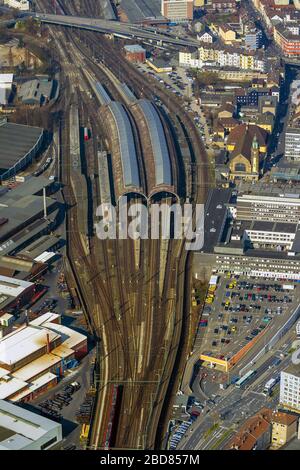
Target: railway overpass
(115, 28)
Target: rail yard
(137, 313)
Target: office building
(274, 207)
(177, 10)
(292, 144)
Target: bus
(270, 385)
(245, 378)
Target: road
(115, 28)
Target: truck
(270, 385)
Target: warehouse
(21, 429)
(14, 292)
(18, 210)
(34, 357)
(36, 92)
(135, 53)
(19, 145)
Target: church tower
(255, 155)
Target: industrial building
(135, 53)
(34, 357)
(290, 388)
(15, 292)
(24, 214)
(19, 146)
(36, 92)
(137, 11)
(21, 429)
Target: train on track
(86, 134)
(111, 425)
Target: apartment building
(284, 428)
(253, 39)
(292, 144)
(290, 388)
(177, 10)
(231, 57)
(288, 42)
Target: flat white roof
(70, 338)
(35, 385)
(6, 316)
(46, 317)
(6, 77)
(13, 287)
(36, 367)
(29, 425)
(44, 257)
(63, 351)
(10, 387)
(23, 342)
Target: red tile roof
(251, 431)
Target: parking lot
(239, 310)
(53, 407)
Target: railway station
(119, 132)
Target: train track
(114, 293)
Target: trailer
(270, 385)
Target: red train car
(86, 134)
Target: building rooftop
(283, 418)
(163, 174)
(127, 146)
(293, 369)
(20, 427)
(16, 141)
(215, 217)
(23, 342)
(251, 431)
(36, 91)
(13, 287)
(6, 78)
(134, 48)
